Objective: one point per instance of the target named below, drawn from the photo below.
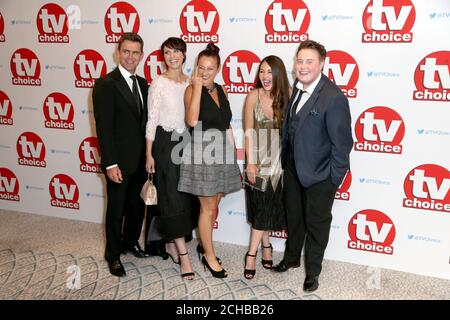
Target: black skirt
(265, 210)
(176, 213)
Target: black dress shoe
(283, 266)
(156, 250)
(137, 251)
(116, 268)
(311, 284)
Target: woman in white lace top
(172, 216)
(166, 106)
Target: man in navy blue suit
(317, 140)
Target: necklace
(210, 90)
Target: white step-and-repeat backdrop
(390, 57)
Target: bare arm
(192, 97)
(249, 135)
(230, 135)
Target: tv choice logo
(427, 187)
(52, 24)
(287, 21)
(5, 110)
(120, 17)
(280, 234)
(88, 66)
(379, 129)
(89, 154)
(239, 71)
(342, 192)
(154, 65)
(58, 112)
(31, 150)
(2, 28)
(432, 77)
(9, 185)
(372, 231)
(388, 21)
(199, 22)
(64, 192)
(25, 68)
(343, 70)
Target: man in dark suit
(120, 110)
(317, 140)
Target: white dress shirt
(308, 92)
(126, 74)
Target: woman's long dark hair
(280, 87)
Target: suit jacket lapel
(288, 109)
(291, 99)
(124, 89)
(144, 91)
(304, 111)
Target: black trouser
(124, 213)
(308, 212)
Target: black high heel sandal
(249, 273)
(216, 274)
(267, 264)
(170, 255)
(186, 274)
(201, 252)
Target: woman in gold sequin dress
(263, 118)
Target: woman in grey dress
(209, 168)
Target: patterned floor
(51, 258)
(47, 276)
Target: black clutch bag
(260, 183)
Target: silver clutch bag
(148, 192)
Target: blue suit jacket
(323, 139)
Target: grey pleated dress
(209, 162)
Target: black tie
(294, 107)
(136, 94)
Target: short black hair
(175, 43)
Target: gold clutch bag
(148, 192)
(260, 183)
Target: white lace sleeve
(153, 105)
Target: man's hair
(131, 36)
(311, 44)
